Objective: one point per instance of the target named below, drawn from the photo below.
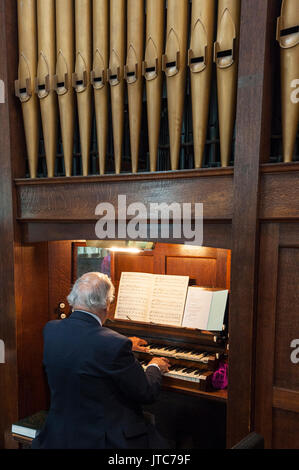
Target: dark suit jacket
(97, 389)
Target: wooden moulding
(216, 235)
(212, 187)
(77, 198)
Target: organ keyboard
(201, 379)
(183, 353)
(193, 355)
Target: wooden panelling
(60, 276)
(277, 378)
(279, 195)
(142, 263)
(289, 235)
(216, 235)
(37, 202)
(75, 199)
(285, 430)
(10, 129)
(32, 314)
(253, 129)
(287, 318)
(265, 339)
(202, 270)
(286, 399)
(208, 266)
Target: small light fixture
(122, 246)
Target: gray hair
(92, 290)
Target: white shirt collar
(92, 314)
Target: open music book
(152, 298)
(205, 309)
(167, 300)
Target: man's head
(92, 292)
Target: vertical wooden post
(252, 147)
(10, 130)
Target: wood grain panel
(289, 235)
(60, 276)
(73, 199)
(287, 318)
(133, 263)
(203, 270)
(286, 399)
(215, 235)
(253, 130)
(285, 430)
(43, 201)
(279, 195)
(32, 315)
(11, 143)
(265, 339)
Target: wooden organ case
(251, 207)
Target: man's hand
(139, 344)
(162, 362)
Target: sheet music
(133, 296)
(197, 310)
(217, 311)
(168, 299)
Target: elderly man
(97, 386)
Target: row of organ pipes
(71, 48)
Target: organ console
(194, 355)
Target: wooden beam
(253, 130)
(73, 199)
(9, 373)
